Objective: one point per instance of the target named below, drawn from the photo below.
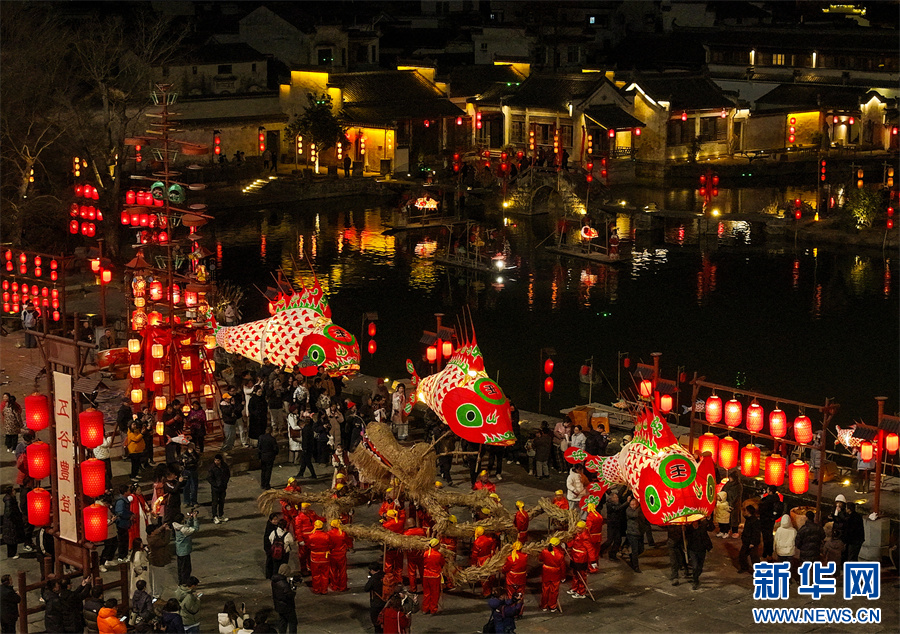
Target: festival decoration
(665, 403)
(846, 438)
(709, 442)
(733, 413)
(803, 429)
(96, 528)
(728, 453)
(37, 412)
(673, 486)
(891, 443)
(90, 428)
(755, 414)
(750, 461)
(465, 398)
(646, 388)
(714, 409)
(798, 477)
(866, 451)
(300, 329)
(93, 477)
(38, 503)
(778, 423)
(775, 470)
(37, 456)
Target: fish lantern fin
(594, 494)
(676, 489)
(652, 430)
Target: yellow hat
(559, 492)
(517, 545)
(452, 518)
(389, 489)
(318, 524)
(438, 484)
(494, 496)
(226, 395)
(304, 505)
(520, 503)
(339, 476)
(483, 473)
(479, 530)
(336, 523)
(580, 524)
(485, 510)
(391, 513)
(338, 486)
(591, 507)
(554, 541)
(291, 479)
(434, 542)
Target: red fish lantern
(96, 528)
(714, 409)
(778, 423)
(803, 429)
(755, 414)
(90, 428)
(37, 456)
(709, 443)
(798, 477)
(750, 461)
(728, 453)
(733, 413)
(37, 412)
(93, 477)
(775, 470)
(38, 504)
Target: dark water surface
(803, 324)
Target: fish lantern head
(678, 490)
(478, 411)
(332, 348)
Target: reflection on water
(720, 301)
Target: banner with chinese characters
(65, 456)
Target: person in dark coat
(615, 524)
(13, 523)
(375, 588)
(72, 602)
(171, 617)
(750, 539)
(271, 525)
(91, 608)
(854, 532)
(283, 594)
(633, 532)
(734, 490)
(771, 508)
(268, 451)
(677, 559)
(258, 411)
(9, 606)
(307, 442)
(218, 476)
(809, 539)
(698, 544)
(53, 607)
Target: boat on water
(582, 238)
(477, 249)
(425, 210)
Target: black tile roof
(799, 39)
(611, 116)
(380, 97)
(685, 92)
(214, 53)
(555, 92)
(471, 81)
(811, 96)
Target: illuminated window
(778, 59)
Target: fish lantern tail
(593, 495)
(411, 399)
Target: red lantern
(755, 415)
(548, 384)
(866, 450)
(778, 423)
(73, 229)
(798, 477)
(96, 528)
(750, 461)
(37, 412)
(665, 403)
(646, 388)
(548, 366)
(372, 346)
(93, 477)
(130, 197)
(106, 276)
(626, 363)
(38, 460)
(682, 377)
(38, 503)
(90, 428)
(431, 354)
(803, 429)
(733, 413)
(891, 443)
(156, 289)
(447, 349)
(372, 329)
(190, 298)
(775, 470)
(714, 409)
(709, 443)
(728, 453)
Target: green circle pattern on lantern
(489, 391)
(338, 334)
(710, 488)
(652, 499)
(176, 194)
(468, 415)
(678, 459)
(316, 354)
(158, 190)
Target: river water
(801, 323)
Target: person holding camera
(184, 529)
(189, 602)
(504, 611)
(284, 591)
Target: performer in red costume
(553, 572)
(484, 482)
(579, 552)
(516, 570)
(431, 580)
(594, 523)
(319, 550)
(521, 521)
(340, 543)
(482, 549)
(414, 560)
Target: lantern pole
(878, 463)
(820, 474)
(102, 286)
(696, 385)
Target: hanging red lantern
(73, 229)
(798, 477)
(709, 442)
(866, 451)
(728, 453)
(714, 409)
(778, 423)
(38, 505)
(156, 290)
(372, 328)
(682, 377)
(775, 470)
(96, 527)
(755, 414)
(93, 477)
(37, 456)
(626, 363)
(665, 403)
(431, 354)
(372, 346)
(106, 276)
(891, 443)
(37, 412)
(750, 461)
(190, 298)
(645, 388)
(90, 428)
(447, 349)
(548, 384)
(548, 366)
(733, 413)
(803, 429)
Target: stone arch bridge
(533, 183)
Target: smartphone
(123, 618)
(199, 594)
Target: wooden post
(879, 448)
